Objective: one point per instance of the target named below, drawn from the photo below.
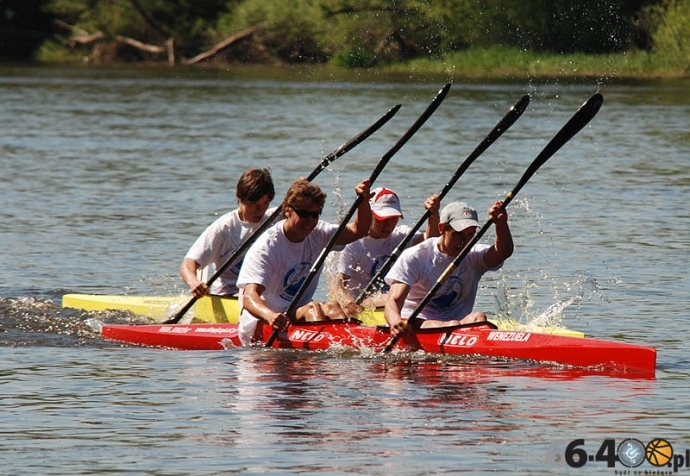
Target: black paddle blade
(352, 143)
(582, 117)
(503, 125)
(430, 109)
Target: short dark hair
(302, 189)
(254, 184)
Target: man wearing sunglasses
(277, 264)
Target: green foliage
(293, 29)
(356, 57)
(671, 31)
(371, 31)
(148, 21)
(364, 33)
(517, 64)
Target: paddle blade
(504, 124)
(582, 117)
(352, 143)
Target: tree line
(350, 33)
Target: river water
(108, 176)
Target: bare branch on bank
(223, 45)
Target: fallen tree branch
(155, 49)
(79, 36)
(223, 45)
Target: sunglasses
(304, 214)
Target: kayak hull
(483, 340)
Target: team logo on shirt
(235, 268)
(448, 295)
(375, 265)
(294, 279)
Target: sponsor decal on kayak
(174, 329)
(306, 335)
(217, 330)
(198, 330)
(506, 336)
(458, 340)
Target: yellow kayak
(214, 309)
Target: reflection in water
(300, 399)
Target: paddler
(216, 244)
(278, 262)
(360, 260)
(419, 267)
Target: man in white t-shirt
(360, 260)
(219, 241)
(418, 268)
(279, 261)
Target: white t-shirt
(218, 242)
(361, 259)
(420, 266)
(281, 266)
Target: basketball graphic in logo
(659, 452)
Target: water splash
(518, 307)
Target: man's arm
(252, 302)
(359, 227)
(391, 312)
(503, 245)
(188, 273)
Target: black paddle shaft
(582, 117)
(325, 162)
(504, 124)
(431, 108)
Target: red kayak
(478, 339)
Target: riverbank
(476, 65)
(514, 63)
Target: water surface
(108, 176)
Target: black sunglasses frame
(304, 214)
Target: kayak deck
(216, 309)
(158, 308)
